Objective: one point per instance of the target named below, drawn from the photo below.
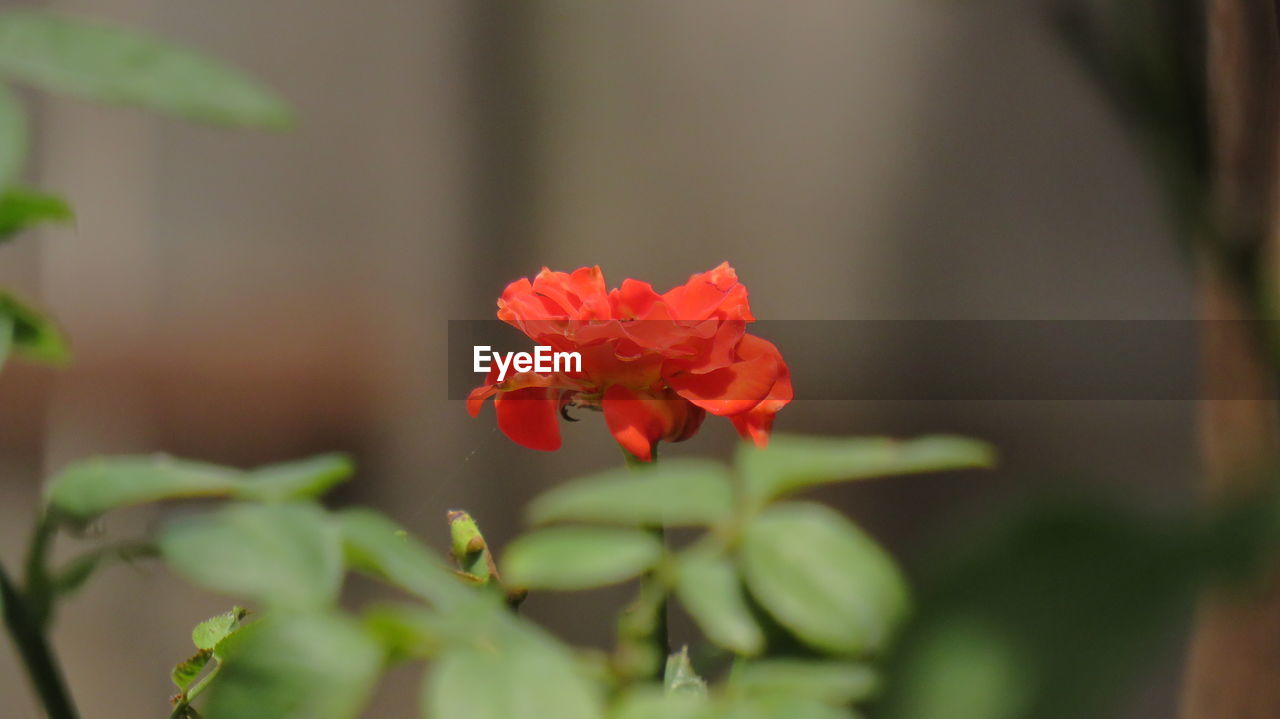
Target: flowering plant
(796, 611)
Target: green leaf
(824, 579)
(88, 488)
(568, 558)
(651, 702)
(679, 676)
(833, 682)
(406, 631)
(22, 208)
(187, 671)
(286, 555)
(91, 487)
(1050, 611)
(673, 493)
(516, 675)
(709, 588)
(117, 65)
(13, 137)
(781, 706)
(376, 545)
(300, 479)
(311, 666)
(32, 335)
(213, 630)
(793, 463)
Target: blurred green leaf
(208, 633)
(378, 546)
(792, 463)
(22, 208)
(709, 588)
(286, 555)
(310, 666)
(781, 706)
(568, 558)
(672, 493)
(1049, 611)
(13, 138)
(516, 675)
(187, 671)
(406, 631)
(117, 65)
(834, 682)
(301, 479)
(88, 488)
(652, 702)
(32, 336)
(823, 578)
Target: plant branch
(643, 630)
(28, 637)
(36, 585)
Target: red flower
(654, 363)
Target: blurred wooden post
(1234, 665)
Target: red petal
(756, 424)
(475, 400)
(528, 417)
(716, 292)
(731, 390)
(636, 421)
(633, 300)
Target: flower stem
(644, 627)
(28, 636)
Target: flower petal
(637, 421)
(529, 417)
(729, 390)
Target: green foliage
(209, 633)
(680, 678)
(579, 557)
(286, 556)
(22, 208)
(29, 334)
(793, 463)
(376, 545)
(86, 489)
(834, 682)
(514, 674)
(710, 589)
(1048, 613)
(296, 666)
(118, 65)
(674, 493)
(812, 571)
(288, 481)
(186, 671)
(823, 578)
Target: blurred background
(247, 298)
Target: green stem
(36, 585)
(648, 624)
(33, 647)
(183, 708)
